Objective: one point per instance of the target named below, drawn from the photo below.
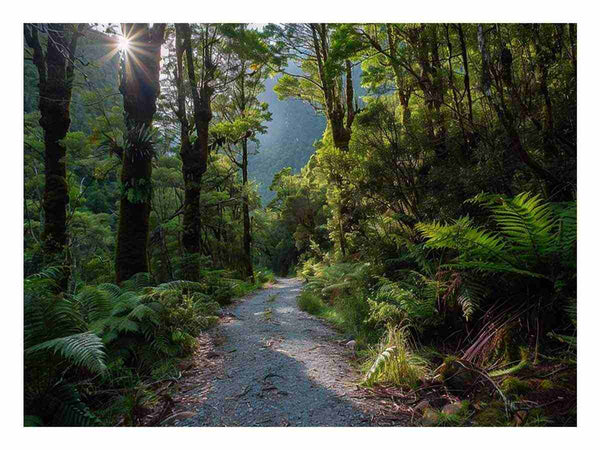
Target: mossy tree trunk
(140, 88)
(55, 69)
(194, 155)
(339, 106)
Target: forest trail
(282, 367)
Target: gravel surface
(282, 367)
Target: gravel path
(283, 367)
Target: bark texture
(194, 155)
(246, 213)
(55, 69)
(140, 88)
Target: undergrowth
(91, 355)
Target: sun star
(123, 43)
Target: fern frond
(479, 266)
(137, 282)
(93, 303)
(567, 233)
(528, 222)
(70, 409)
(463, 236)
(378, 365)
(84, 349)
(141, 312)
(470, 297)
(180, 286)
(110, 288)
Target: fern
(470, 296)
(378, 365)
(69, 409)
(463, 236)
(528, 223)
(84, 349)
(137, 282)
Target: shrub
(309, 302)
(116, 332)
(264, 276)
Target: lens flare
(123, 43)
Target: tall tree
(140, 87)
(55, 67)
(326, 83)
(194, 154)
(243, 114)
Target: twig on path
(270, 374)
(240, 395)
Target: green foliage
(393, 304)
(514, 386)
(310, 303)
(100, 330)
(394, 361)
(530, 244)
(380, 230)
(83, 349)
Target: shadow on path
(282, 368)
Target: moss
(536, 418)
(454, 375)
(491, 416)
(454, 419)
(516, 368)
(512, 385)
(546, 384)
(430, 418)
(448, 367)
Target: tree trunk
(140, 88)
(554, 187)
(55, 70)
(194, 156)
(246, 212)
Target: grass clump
(394, 361)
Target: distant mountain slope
(288, 141)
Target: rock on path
(283, 367)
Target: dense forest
(419, 179)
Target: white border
(11, 188)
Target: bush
(310, 303)
(264, 276)
(120, 333)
